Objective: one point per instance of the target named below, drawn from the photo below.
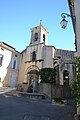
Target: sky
(17, 17)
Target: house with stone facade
(23, 68)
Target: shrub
(58, 99)
(47, 75)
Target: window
(34, 56)
(14, 64)
(44, 37)
(66, 77)
(2, 49)
(73, 69)
(1, 59)
(36, 36)
(15, 55)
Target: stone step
(6, 89)
(32, 95)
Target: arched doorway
(33, 79)
(66, 77)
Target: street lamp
(64, 22)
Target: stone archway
(66, 77)
(32, 78)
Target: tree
(75, 87)
(48, 75)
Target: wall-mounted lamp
(64, 22)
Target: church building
(18, 68)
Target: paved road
(19, 108)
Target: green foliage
(75, 87)
(47, 75)
(58, 99)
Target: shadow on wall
(52, 90)
(10, 79)
(49, 90)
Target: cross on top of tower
(40, 22)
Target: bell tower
(39, 35)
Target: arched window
(14, 64)
(66, 77)
(36, 36)
(44, 37)
(33, 56)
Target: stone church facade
(24, 67)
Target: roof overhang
(8, 47)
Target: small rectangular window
(14, 64)
(44, 37)
(1, 59)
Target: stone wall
(51, 90)
(22, 87)
(45, 88)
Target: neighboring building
(65, 59)
(24, 67)
(74, 6)
(9, 65)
